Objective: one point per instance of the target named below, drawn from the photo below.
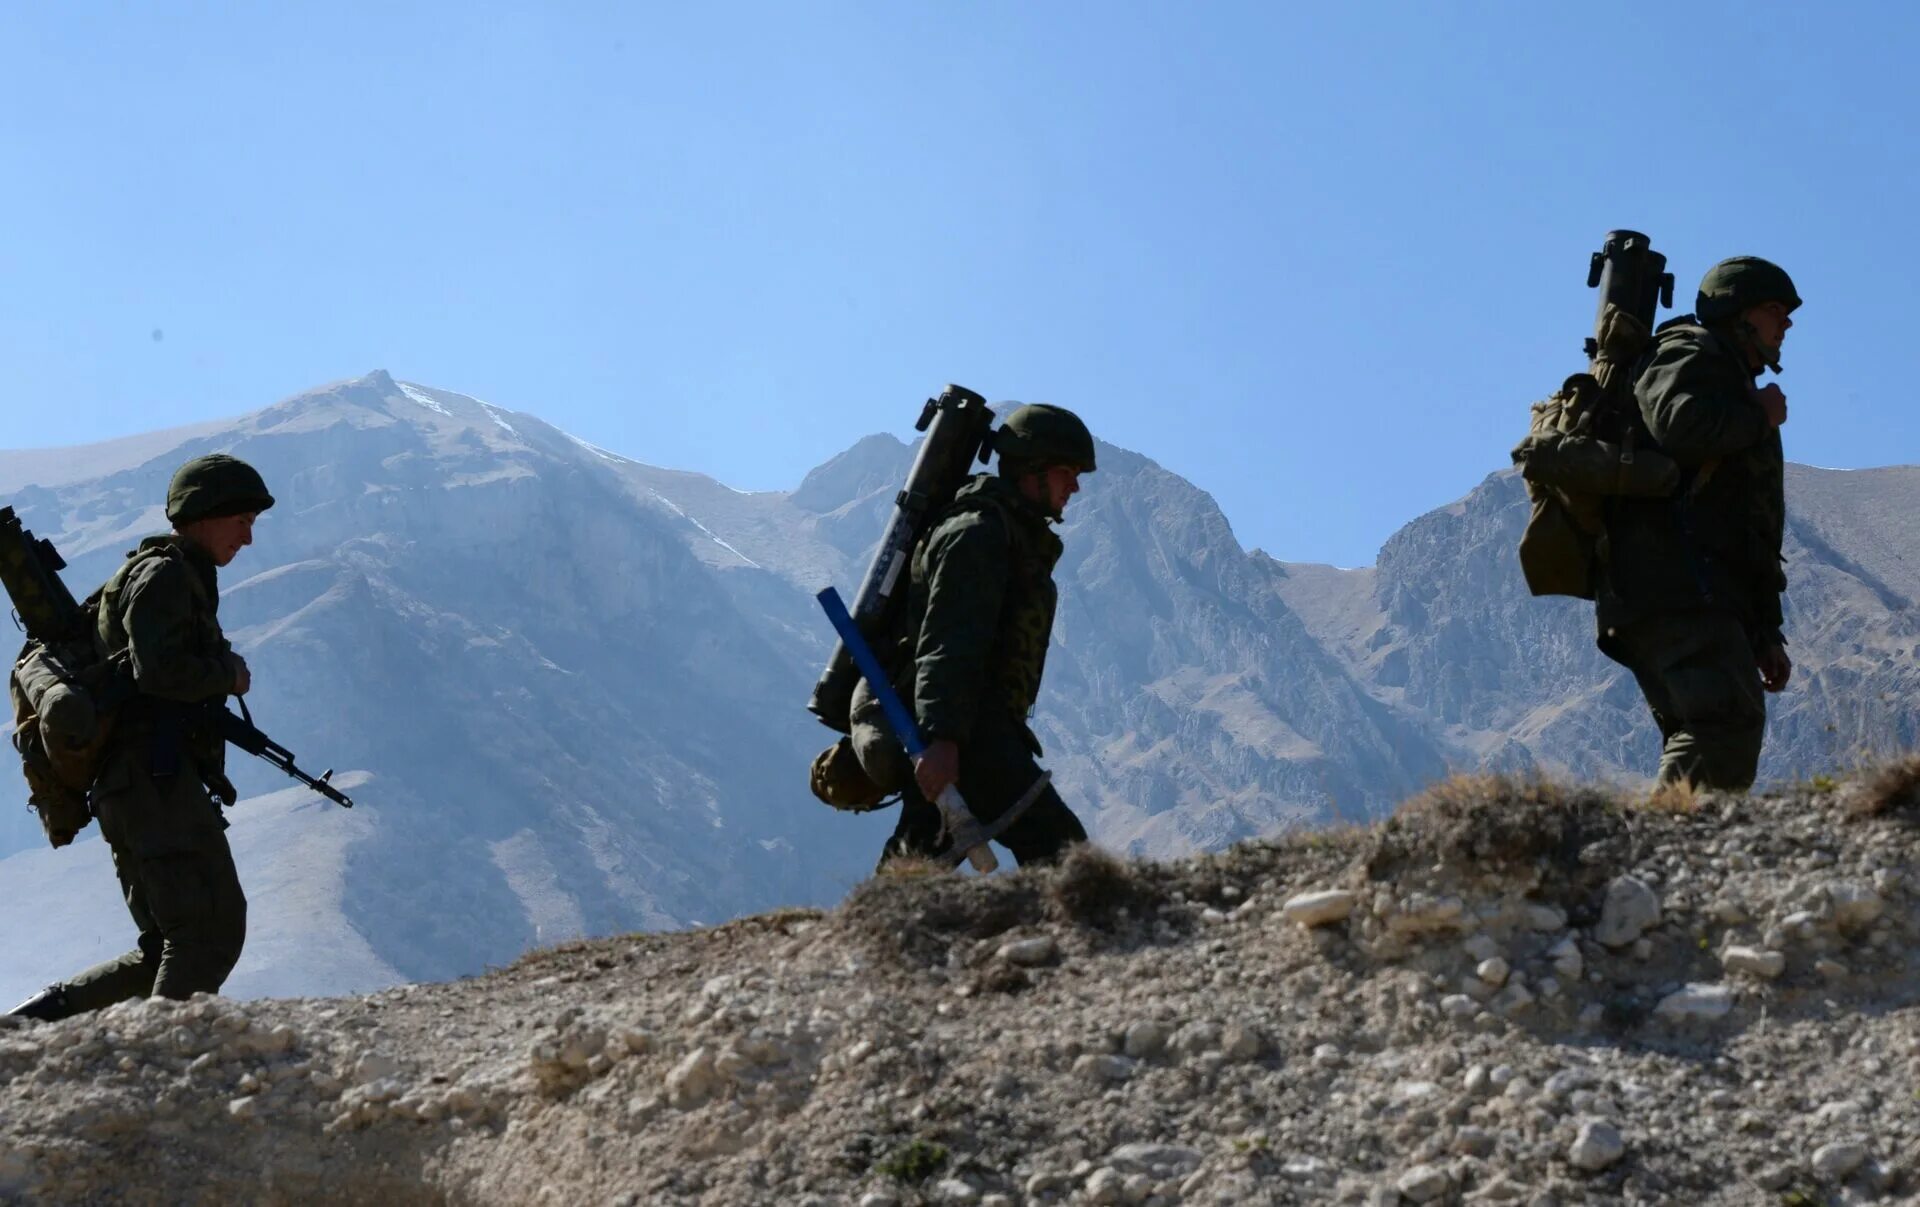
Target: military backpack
(64, 699)
(1582, 448)
(64, 687)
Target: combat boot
(50, 1005)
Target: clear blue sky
(1317, 258)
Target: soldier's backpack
(64, 689)
(64, 698)
(1582, 446)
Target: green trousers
(176, 873)
(1699, 675)
(997, 767)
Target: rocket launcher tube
(957, 424)
(962, 826)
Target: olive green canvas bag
(1581, 449)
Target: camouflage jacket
(980, 610)
(1715, 545)
(161, 607)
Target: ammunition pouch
(837, 778)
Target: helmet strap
(1749, 338)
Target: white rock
(1568, 963)
(1855, 906)
(244, 1108)
(1029, 953)
(1500, 1189)
(1566, 1081)
(1146, 1039)
(1421, 913)
(1424, 1183)
(693, 1080)
(1099, 1067)
(1630, 908)
(1319, 909)
(1481, 947)
(375, 1066)
(1494, 971)
(879, 1198)
(1459, 1006)
(1196, 1037)
(1754, 961)
(1803, 920)
(1839, 1159)
(1164, 1160)
(1105, 1186)
(1514, 998)
(1240, 1043)
(1696, 1002)
(1547, 918)
(953, 1190)
(1598, 1145)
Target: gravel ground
(1510, 992)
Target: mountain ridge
(578, 679)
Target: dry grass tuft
(1893, 788)
(1677, 797)
(1092, 885)
(910, 867)
(1493, 823)
(919, 910)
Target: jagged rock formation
(1509, 993)
(1443, 628)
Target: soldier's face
(1769, 321)
(223, 537)
(1060, 483)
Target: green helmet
(1732, 286)
(1040, 435)
(215, 485)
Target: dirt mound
(1511, 992)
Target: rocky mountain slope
(1509, 993)
(1443, 628)
(574, 681)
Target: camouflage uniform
(1690, 588)
(979, 618)
(164, 760)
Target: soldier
(167, 834)
(979, 615)
(1689, 598)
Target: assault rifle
(47, 612)
(240, 731)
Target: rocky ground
(1511, 992)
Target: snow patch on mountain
(421, 397)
